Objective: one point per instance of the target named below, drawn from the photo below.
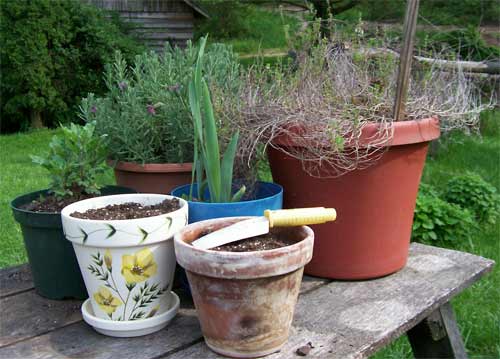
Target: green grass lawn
(477, 309)
(248, 28)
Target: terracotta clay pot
(371, 235)
(245, 300)
(158, 178)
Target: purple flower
(151, 109)
(93, 109)
(122, 85)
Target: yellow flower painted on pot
(108, 260)
(106, 301)
(139, 266)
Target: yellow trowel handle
(299, 216)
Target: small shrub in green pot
(74, 161)
(145, 113)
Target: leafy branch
(147, 295)
(99, 271)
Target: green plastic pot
(53, 263)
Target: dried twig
(326, 100)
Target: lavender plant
(145, 113)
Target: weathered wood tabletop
(340, 319)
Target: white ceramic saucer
(131, 328)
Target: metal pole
(405, 58)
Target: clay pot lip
(403, 133)
(241, 265)
(150, 167)
(281, 250)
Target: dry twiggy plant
(334, 104)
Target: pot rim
(404, 133)
(66, 211)
(272, 262)
(276, 186)
(150, 167)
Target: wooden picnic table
(340, 319)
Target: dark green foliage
(427, 190)
(74, 161)
(437, 12)
(53, 52)
(224, 21)
(438, 221)
(247, 27)
(490, 123)
(466, 43)
(472, 192)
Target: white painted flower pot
(127, 265)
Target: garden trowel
(257, 226)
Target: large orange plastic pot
(151, 177)
(375, 206)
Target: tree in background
(328, 8)
(53, 52)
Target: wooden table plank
(81, 341)
(311, 283)
(27, 314)
(341, 319)
(14, 280)
(30, 316)
(355, 319)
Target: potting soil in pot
(258, 243)
(53, 204)
(129, 210)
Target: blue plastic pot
(265, 195)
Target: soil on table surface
(52, 204)
(259, 243)
(129, 210)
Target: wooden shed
(157, 21)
